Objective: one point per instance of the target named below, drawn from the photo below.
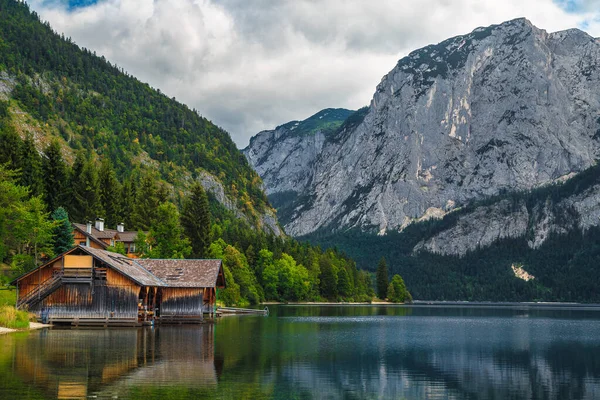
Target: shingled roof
(186, 273)
(127, 266)
(126, 236)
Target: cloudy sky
(250, 65)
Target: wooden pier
(248, 311)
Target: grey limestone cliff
(507, 107)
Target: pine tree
(9, 146)
(63, 231)
(146, 203)
(76, 208)
(166, 235)
(85, 191)
(55, 176)
(195, 219)
(90, 192)
(31, 167)
(110, 191)
(127, 199)
(382, 279)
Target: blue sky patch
(71, 4)
(571, 6)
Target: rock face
(267, 220)
(516, 219)
(284, 157)
(507, 107)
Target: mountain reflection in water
(319, 352)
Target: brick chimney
(121, 227)
(100, 224)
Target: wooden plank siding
(116, 299)
(185, 302)
(31, 281)
(83, 301)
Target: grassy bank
(12, 318)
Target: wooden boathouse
(88, 286)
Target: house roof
(184, 273)
(126, 236)
(92, 237)
(127, 266)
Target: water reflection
(68, 364)
(317, 352)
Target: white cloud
(252, 65)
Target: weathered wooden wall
(30, 282)
(117, 299)
(181, 302)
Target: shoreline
(330, 303)
(426, 303)
(32, 326)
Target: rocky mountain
(505, 108)
(284, 157)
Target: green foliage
(9, 144)
(33, 234)
(12, 318)
(146, 202)
(230, 296)
(293, 280)
(243, 276)
(328, 278)
(397, 291)
(55, 176)
(142, 244)
(326, 121)
(195, 219)
(110, 193)
(8, 297)
(25, 229)
(31, 167)
(63, 231)
(119, 247)
(344, 283)
(382, 279)
(166, 235)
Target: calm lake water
(304, 352)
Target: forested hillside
(93, 105)
(80, 134)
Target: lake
(321, 352)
